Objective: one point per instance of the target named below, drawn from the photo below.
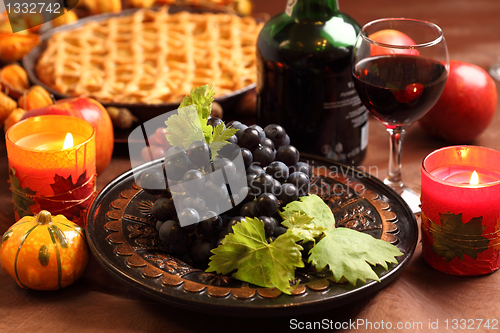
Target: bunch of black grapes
(198, 210)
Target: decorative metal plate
(126, 244)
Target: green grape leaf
(184, 128)
(220, 136)
(254, 259)
(311, 205)
(453, 238)
(221, 133)
(300, 225)
(349, 253)
(207, 132)
(22, 197)
(202, 98)
(190, 124)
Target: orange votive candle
(52, 166)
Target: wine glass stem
(394, 179)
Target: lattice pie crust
(151, 57)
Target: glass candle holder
(52, 166)
(460, 204)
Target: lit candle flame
(68, 141)
(474, 178)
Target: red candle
(461, 210)
(462, 174)
(52, 165)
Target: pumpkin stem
(44, 217)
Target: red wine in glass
(399, 89)
(400, 80)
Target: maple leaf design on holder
(21, 196)
(453, 238)
(69, 197)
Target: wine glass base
(495, 71)
(412, 198)
(397, 186)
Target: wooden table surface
(419, 296)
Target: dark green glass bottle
(304, 80)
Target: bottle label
(320, 109)
(355, 116)
(289, 7)
(364, 136)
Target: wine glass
(400, 67)
(495, 70)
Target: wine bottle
(304, 80)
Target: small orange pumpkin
(36, 97)
(44, 252)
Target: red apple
(466, 106)
(93, 112)
(392, 37)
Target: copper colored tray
(125, 243)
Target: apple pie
(151, 56)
